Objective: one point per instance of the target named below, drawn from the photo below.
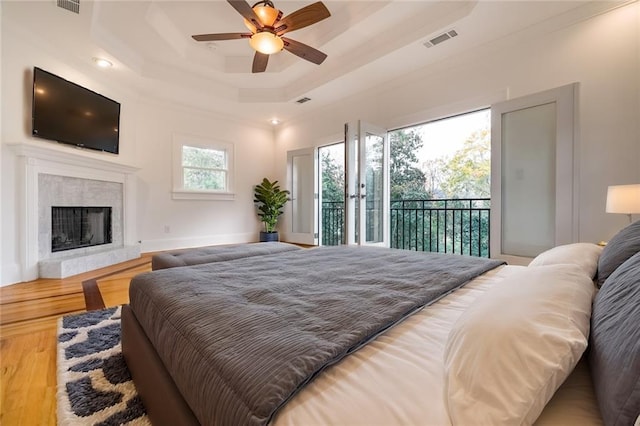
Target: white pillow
(509, 352)
(584, 255)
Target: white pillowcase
(584, 255)
(510, 351)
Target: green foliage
(430, 224)
(270, 200)
(468, 172)
(405, 177)
(451, 226)
(332, 179)
(426, 223)
(332, 166)
(203, 168)
(203, 157)
(204, 179)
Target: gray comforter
(241, 337)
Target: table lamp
(623, 199)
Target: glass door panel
(332, 190)
(367, 179)
(352, 216)
(373, 213)
(302, 221)
(528, 180)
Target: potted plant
(270, 200)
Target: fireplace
(77, 227)
(54, 176)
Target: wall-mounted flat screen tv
(68, 113)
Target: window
(202, 169)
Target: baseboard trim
(147, 246)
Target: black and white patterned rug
(94, 384)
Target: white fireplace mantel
(39, 159)
(44, 152)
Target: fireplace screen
(76, 227)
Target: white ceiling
(367, 43)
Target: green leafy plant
(270, 200)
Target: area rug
(94, 383)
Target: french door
(366, 185)
(302, 170)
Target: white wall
(193, 223)
(146, 130)
(601, 53)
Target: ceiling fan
(267, 28)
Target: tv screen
(68, 113)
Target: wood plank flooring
(29, 313)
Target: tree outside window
(204, 168)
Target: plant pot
(267, 237)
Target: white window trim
(179, 192)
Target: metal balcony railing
(437, 225)
(332, 223)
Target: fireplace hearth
(77, 227)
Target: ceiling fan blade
(246, 11)
(259, 62)
(221, 36)
(304, 51)
(301, 18)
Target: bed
(472, 354)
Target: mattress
(400, 378)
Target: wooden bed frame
(161, 397)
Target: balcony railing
(332, 223)
(439, 225)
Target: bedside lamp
(623, 199)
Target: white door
(533, 183)
(303, 220)
(367, 184)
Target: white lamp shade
(623, 199)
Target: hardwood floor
(29, 313)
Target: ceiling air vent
(442, 37)
(70, 5)
(303, 100)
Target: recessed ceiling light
(102, 63)
(275, 121)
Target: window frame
(179, 192)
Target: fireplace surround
(54, 176)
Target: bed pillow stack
(614, 345)
(510, 351)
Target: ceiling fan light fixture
(266, 42)
(267, 14)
